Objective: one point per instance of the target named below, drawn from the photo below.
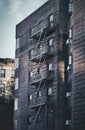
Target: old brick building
(6, 76)
(46, 84)
(6, 93)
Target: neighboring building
(6, 76)
(40, 66)
(6, 93)
(77, 63)
(50, 68)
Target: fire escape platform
(42, 56)
(37, 105)
(36, 81)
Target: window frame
(2, 73)
(2, 87)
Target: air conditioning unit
(68, 94)
(68, 41)
(68, 68)
(68, 122)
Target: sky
(11, 13)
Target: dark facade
(76, 65)
(78, 80)
(46, 84)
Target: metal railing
(39, 27)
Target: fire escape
(39, 55)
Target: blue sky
(11, 13)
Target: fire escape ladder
(39, 38)
(37, 114)
(41, 79)
(39, 86)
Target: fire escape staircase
(37, 114)
(40, 82)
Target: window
(70, 33)
(51, 42)
(39, 46)
(31, 53)
(12, 73)
(50, 67)
(29, 120)
(39, 70)
(68, 68)
(70, 60)
(16, 63)
(68, 41)
(31, 97)
(16, 83)
(68, 122)
(31, 74)
(40, 94)
(68, 94)
(70, 7)
(15, 124)
(17, 43)
(32, 31)
(2, 73)
(2, 88)
(16, 104)
(50, 91)
(51, 20)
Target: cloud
(15, 8)
(11, 13)
(20, 9)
